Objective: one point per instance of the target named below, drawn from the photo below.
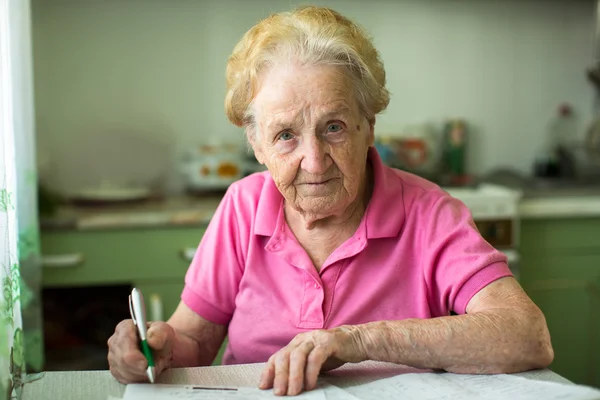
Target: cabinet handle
(62, 260)
(188, 253)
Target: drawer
(100, 257)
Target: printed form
(448, 386)
(413, 386)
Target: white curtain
(19, 235)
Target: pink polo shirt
(415, 254)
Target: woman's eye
(286, 136)
(334, 128)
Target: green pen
(137, 308)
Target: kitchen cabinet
(560, 271)
(153, 259)
(102, 257)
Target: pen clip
(131, 312)
(137, 308)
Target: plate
(103, 194)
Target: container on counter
(212, 167)
(455, 147)
(553, 158)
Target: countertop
(566, 206)
(98, 385)
(197, 211)
(170, 211)
(551, 197)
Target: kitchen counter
(560, 206)
(551, 198)
(171, 211)
(197, 211)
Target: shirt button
(317, 286)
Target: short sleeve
(213, 278)
(458, 261)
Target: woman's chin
(319, 211)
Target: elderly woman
(332, 257)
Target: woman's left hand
(296, 367)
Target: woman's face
(312, 137)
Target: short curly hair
(311, 36)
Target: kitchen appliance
(212, 167)
(495, 211)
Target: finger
(282, 368)
(128, 358)
(117, 375)
(157, 336)
(315, 360)
(268, 375)
(160, 339)
(297, 365)
(128, 376)
(123, 373)
(125, 337)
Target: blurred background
(495, 100)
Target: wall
(155, 69)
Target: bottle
(552, 160)
(455, 138)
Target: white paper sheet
(146, 391)
(336, 393)
(446, 386)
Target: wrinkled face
(312, 137)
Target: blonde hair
(312, 36)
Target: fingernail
(278, 391)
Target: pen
(137, 308)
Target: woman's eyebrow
(280, 124)
(277, 125)
(336, 112)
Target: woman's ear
(371, 133)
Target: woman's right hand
(126, 361)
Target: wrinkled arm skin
(503, 331)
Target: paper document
(336, 393)
(447, 386)
(146, 391)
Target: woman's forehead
(301, 114)
(293, 92)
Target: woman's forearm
(498, 341)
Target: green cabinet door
(595, 347)
(572, 313)
(560, 271)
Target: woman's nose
(316, 159)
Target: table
(98, 385)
